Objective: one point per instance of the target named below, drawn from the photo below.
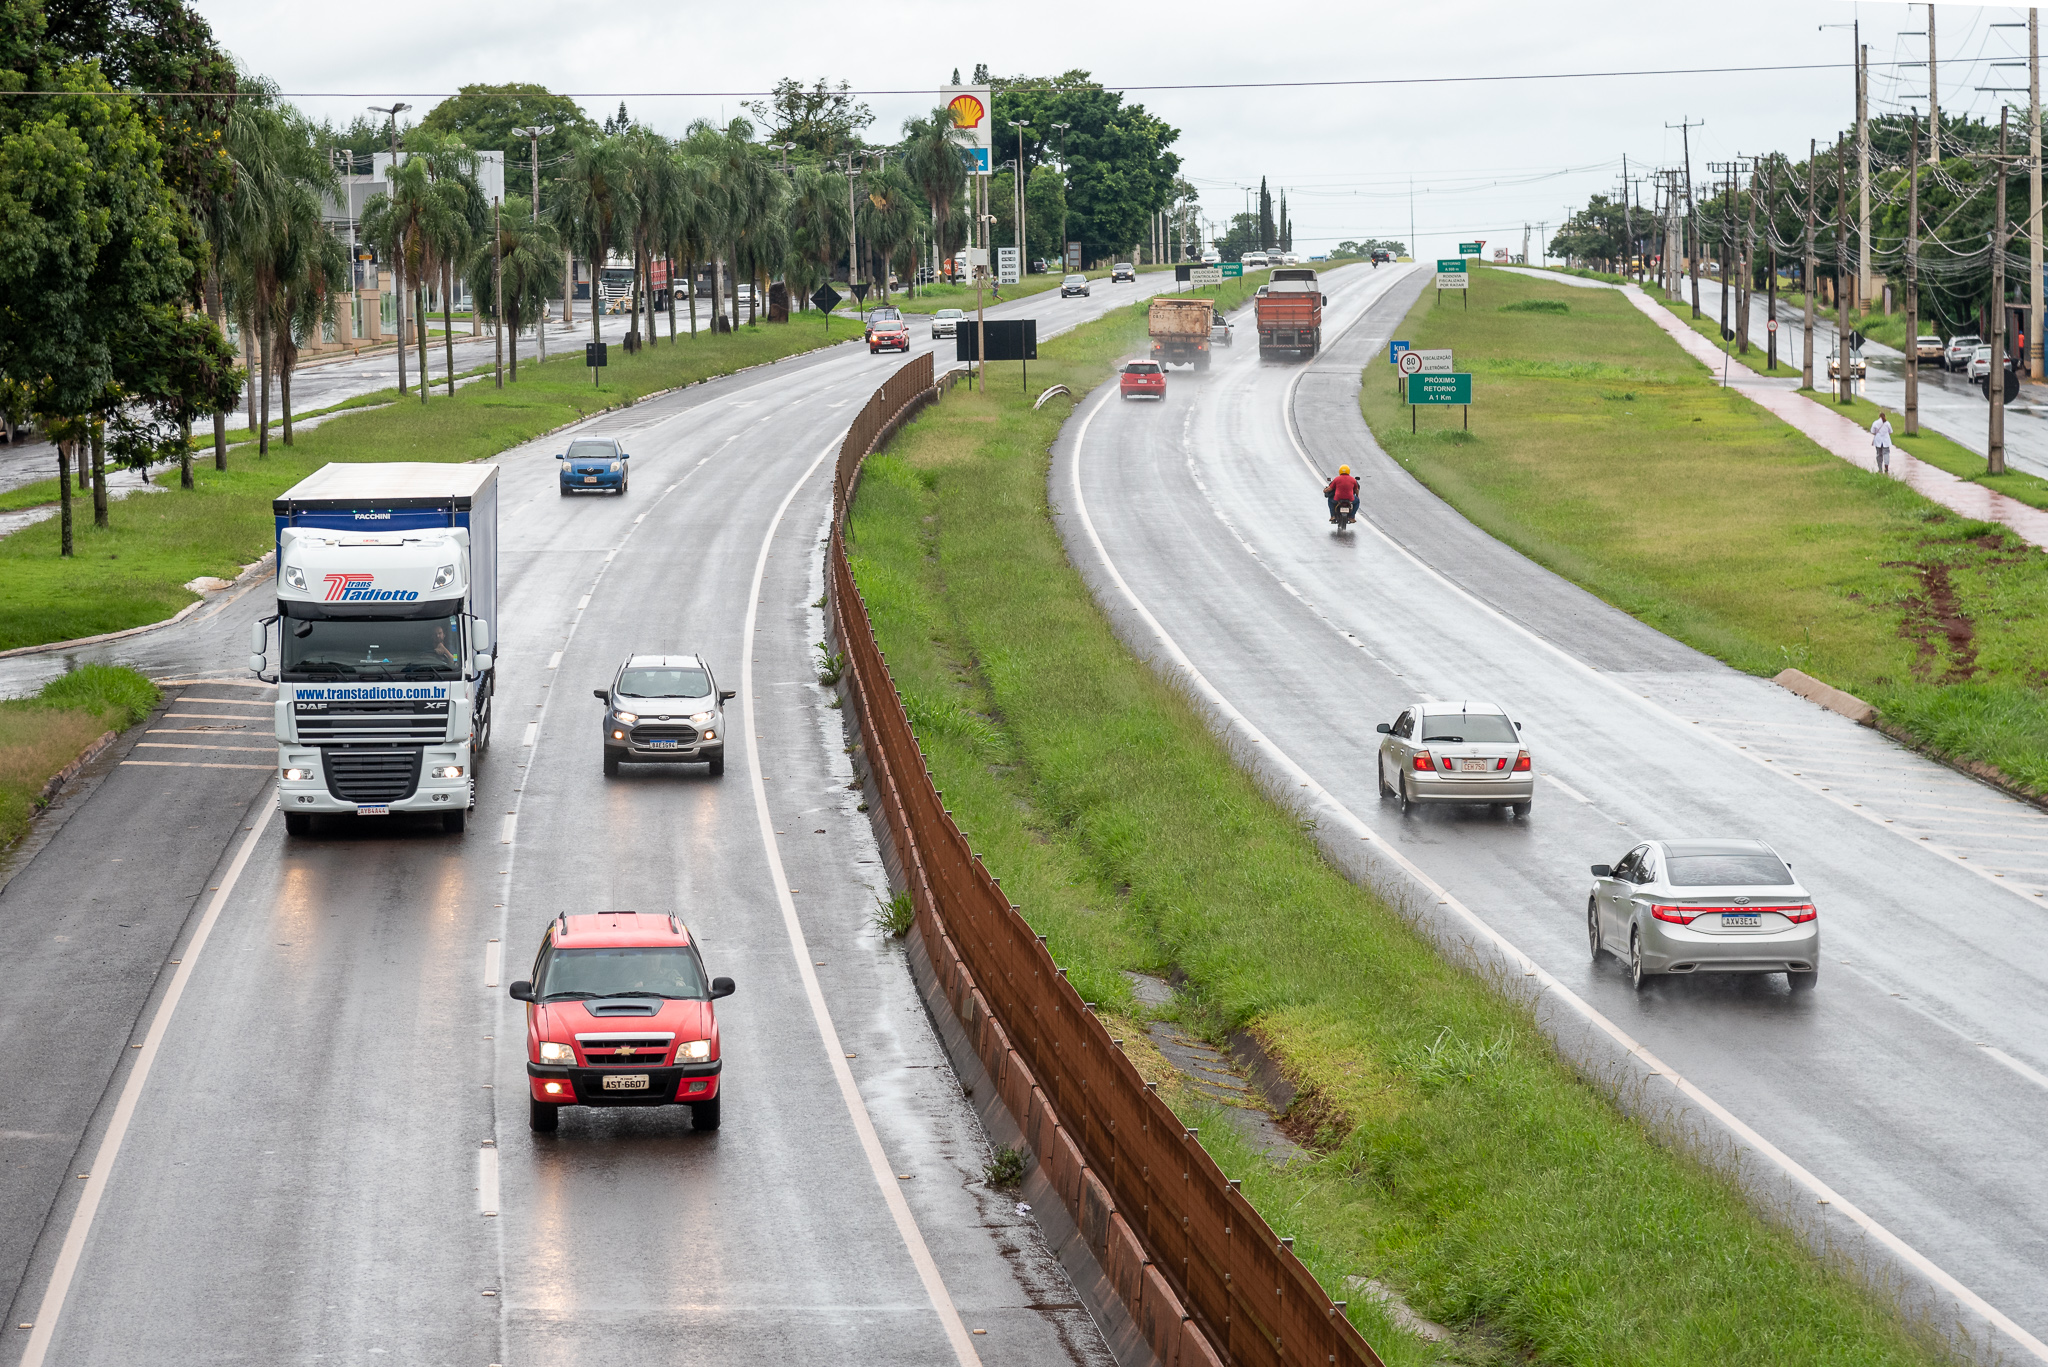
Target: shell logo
(967, 111)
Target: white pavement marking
(584, 601)
(487, 1179)
(73, 1249)
(555, 660)
(856, 1107)
(532, 733)
(2009, 1061)
(175, 745)
(494, 962)
(188, 764)
(213, 716)
(508, 828)
(1567, 789)
(1237, 720)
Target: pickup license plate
(1474, 766)
(373, 809)
(590, 479)
(1740, 920)
(625, 1082)
(663, 744)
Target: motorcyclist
(1341, 488)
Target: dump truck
(1180, 330)
(1290, 313)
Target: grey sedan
(1456, 752)
(1704, 906)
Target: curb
(1827, 695)
(70, 771)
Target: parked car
(1456, 752)
(1073, 285)
(1143, 380)
(1957, 354)
(663, 709)
(593, 465)
(1704, 906)
(1219, 333)
(1927, 348)
(1857, 370)
(946, 322)
(618, 1013)
(1980, 364)
(885, 333)
(1121, 272)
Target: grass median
(134, 572)
(1630, 471)
(42, 734)
(1457, 1158)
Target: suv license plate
(1474, 766)
(1734, 920)
(663, 744)
(625, 1082)
(374, 809)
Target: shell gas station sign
(972, 114)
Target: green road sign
(1470, 248)
(1440, 389)
(1232, 270)
(1451, 265)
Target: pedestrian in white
(1881, 438)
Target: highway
(1913, 1083)
(328, 1158)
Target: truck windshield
(357, 648)
(627, 971)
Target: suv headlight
(627, 717)
(295, 577)
(693, 1051)
(699, 718)
(444, 576)
(557, 1053)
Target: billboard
(1009, 339)
(973, 114)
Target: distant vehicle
(1959, 349)
(1980, 364)
(1180, 326)
(1290, 313)
(663, 709)
(593, 465)
(1212, 257)
(1456, 752)
(1219, 332)
(618, 1013)
(1704, 906)
(1142, 380)
(1382, 256)
(946, 321)
(1927, 348)
(1857, 370)
(885, 333)
(882, 314)
(1122, 272)
(1073, 285)
(1254, 261)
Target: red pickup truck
(1290, 313)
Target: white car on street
(1465, 752)
(946, 322)
(1704, 906)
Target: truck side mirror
(480, 634)
(257, 662)
(258, 637)
(521, 991)
(601, 694)
(483, 660)
(721, 987)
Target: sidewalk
(1839, 436)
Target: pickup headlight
(627, 717)
(295, 577)
(444, 576)
(693, 1051)
(557, 1053)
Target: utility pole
(1628, 229)
(1019, 129)
(498, 287)
(1994, 378)
(533, 134)
(1862, 169)
(1913, 279)
(398, 262)
(1771, 282)
(1745, 293)
(1846, 392)
(2034, 369)
(1933, 95)
(1812, 285)
(1685, 127)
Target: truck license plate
(1739, 920)
(663, 744)
(373, 809)
(625, 1082)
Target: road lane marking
(175, 745)
(211, 716)
(584, 601)
(835, 1052)
(555, 660)
(532, 733)
(494, 962)
(264, 703)
(190, 764)
(73, 1249)
(508, 828)
(487, 1179)
(1529, 967)
(1567, 789)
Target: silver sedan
(1456, 752)
(1704, 906)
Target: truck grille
(686, 734)
(371, 775)
(338, 723)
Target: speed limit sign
(1771, 326)
(1411, 363)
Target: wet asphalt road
(1914, 1080)
(307, 1170)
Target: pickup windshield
(355, 648)
(626, 971)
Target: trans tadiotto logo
(362, 588)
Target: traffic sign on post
(1451, 275)
(1394, 350)
(1410, 362)
(1205, 275)
(1232, 270)
(1439, 389)
(1471, 248)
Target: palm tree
(395, 221)
(459, 220)
(657, 192)
(595, 208)
(529, 261)
(227, 220)
(817, 217)
(284, 177)
(931, 158)
(690, 233)
(307, 267)
(888, 222)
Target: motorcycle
(1347, 513)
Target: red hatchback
(889, 332)
(618, 1013)
(1143, 380)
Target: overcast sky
(1485, 156)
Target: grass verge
(133, 572)
(1631, 472)
(40, 735)
(1458, 1158)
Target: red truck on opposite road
(1290, 313)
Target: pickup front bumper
(585, 1086)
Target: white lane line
(263, 703)
(189, 764)
(213, 716)
(532, 733)
(555, 660)
(73, 1249)
(1530, 968)
(1567, 789)
(584, 601)
(835, 1055)
(175, 745)
(508, 828)
(487, 1179)
(2009, 1061)
(494, 962)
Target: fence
(1204, 1277)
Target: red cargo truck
(1290, 313)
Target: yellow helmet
(1343, 469)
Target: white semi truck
(387, 606)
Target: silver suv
(664, 709)
(1959, 350)
(946, 322)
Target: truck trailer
(1290, 313)
(1180, 330)
(387, 605)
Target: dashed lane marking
(189, 764)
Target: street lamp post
(1061, 129)
(1019, 127)
(533, 133)
(398, 263)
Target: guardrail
(1203, 1276)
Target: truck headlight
(447, 771)
(444, 576)
(295, 775)
(627, 717)
(295, 577)
(693, 1051)
(557, 1053)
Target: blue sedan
(593, 465)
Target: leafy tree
(822, 120)
(817, 215)
(1119, 171)
(180, 368)
(483, 117)
(891, 214)
(931, 157)
(594, 210)
(521, 257)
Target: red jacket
(1344, 489)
